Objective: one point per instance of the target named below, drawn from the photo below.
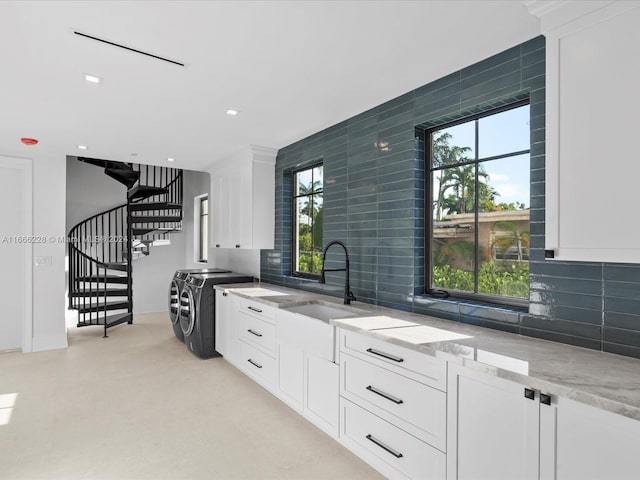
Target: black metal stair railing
(102, 247)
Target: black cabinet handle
(217, 245)
(254, 363)
(529, 393)
(255, 309)
(395, 400)
(224, 294)
(237, 245)
(254, 333)
(546, 399)
(385, 355)
(393, 452)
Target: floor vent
(102, 40)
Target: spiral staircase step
(141, 192)
(145, 206)
(125, 176)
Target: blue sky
(498, 134)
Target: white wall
(49, 183)
(196, 184)
(90, 191)
(153, 273)
(241, 261)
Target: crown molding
(554, 14)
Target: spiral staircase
(103, 247)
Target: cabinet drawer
(257, 364)
(413, 406)
(257, 332)
(430, 371)
(394, 450)
(257, 309)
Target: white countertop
(604, 380)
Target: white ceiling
(291, 68)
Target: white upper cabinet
(242, 202)
(592, 169)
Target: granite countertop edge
(603, 380)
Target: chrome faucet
(348, 295)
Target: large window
(307, 221)
(479, 228)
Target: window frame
(294, 213)
(200, 243)
(428, 202)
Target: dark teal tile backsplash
(374, 202)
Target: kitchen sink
(326, 312)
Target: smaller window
(307, 221)
(201, 228)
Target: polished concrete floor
(138, 405)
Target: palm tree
(513, 238)
(311, 204)
(444, 154)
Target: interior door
(15, 251)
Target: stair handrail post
(129, 262)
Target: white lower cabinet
(412, 416)
(389, 449)
(590, 443)
(499, 429)
(393, 407)
(493, 428)
(290, 377)
(307, 379)
(226, 335)
(321, 395)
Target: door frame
(26, 165)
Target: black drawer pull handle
(546, 399)
(254, 363)
(217, 245)
(385, 355)
(529, 393)
(224, 294)
(254, 333)
(255, 309)
(383, 446)
(395, 400)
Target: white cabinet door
(590, 444)
(307, 378)
(592, 63)
(216, 211)
(242, 190)
(493, 429)
(226, 334)
(290, 379)
(321, 399)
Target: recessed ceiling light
(171, 159)
(232, 112)
(82, 147)
(92, 78)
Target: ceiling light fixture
(82, 147)
(171, 159)
(232, 112)
(92, 78)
